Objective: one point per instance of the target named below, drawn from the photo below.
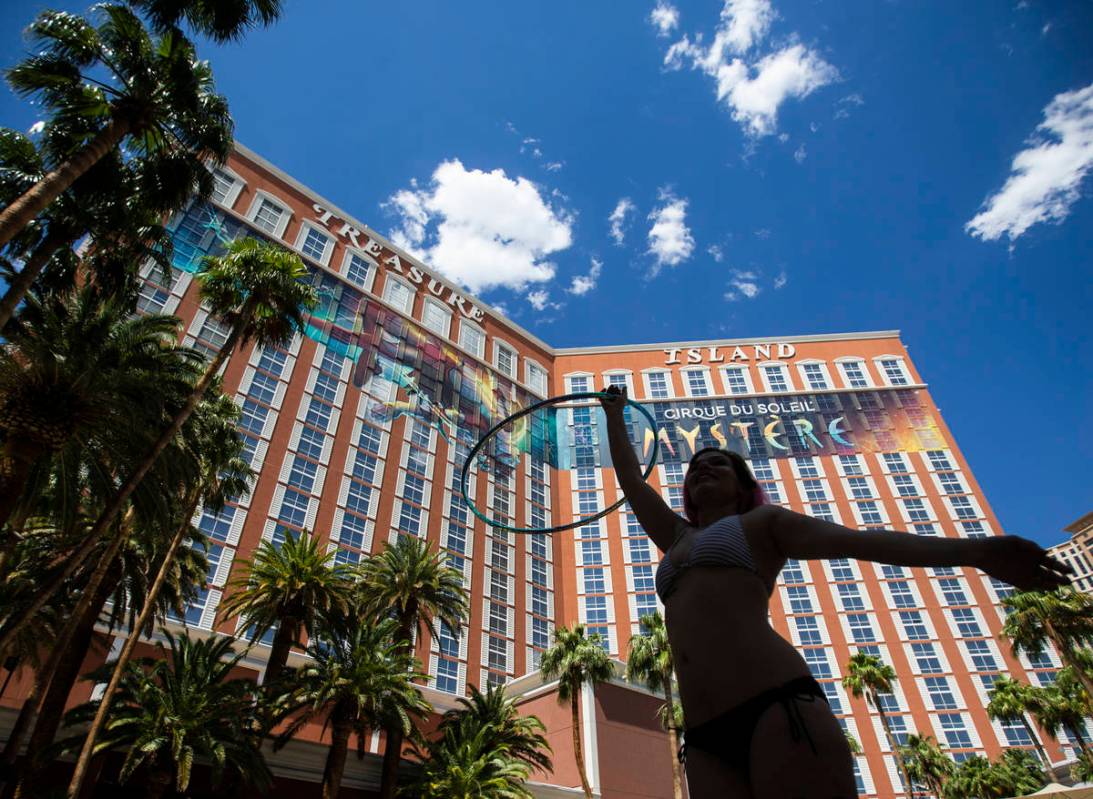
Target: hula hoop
(531, 409)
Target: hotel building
(1078, 552)
(360, 427)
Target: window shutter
(271, 422)
(224, 567)
(236, 527)
(208, 615)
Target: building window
(314, 244)
(358, 270)
(697, 383)
(268, 216)
(854, 372)
(893, 371)
(736, 379)
(536, 378)
(223, 183)
(472, 338)
(851, 465)
(398, 294)
(814, 375)
(436, 317)
(658, 385)
(504, 358)
(578, 384)
(776, 377)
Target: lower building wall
(634, 753)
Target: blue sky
(788, 168)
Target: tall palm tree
(976, 778)
(868, 676)
(156, 96)
(258, 290)
(925, 763)
(576, 659)
(1022, 771)
(1064, 617)
(77, 368)
(1061, 705)
(1010, 701)
(180, 707)
(650, 662)
(360, 679)
(225, 476)
(413, 585)
(485, 749)
(292, 587)
(219, 21)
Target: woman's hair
(754, 496)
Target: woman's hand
(614, 402)
(1022, 563)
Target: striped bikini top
(721, 544)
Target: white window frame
(301, 237)
(743, 369)
(684, 376)
(567, 380)
(529, 365)
(467, 323)
(498, 345)
(902, 367)
(388, 278)
(373, 268)
(841, 364)
(790, 388)
(232, 194)
(625, 373)
(256, 203)
(823, 371)
(646, 375)
(444, 309)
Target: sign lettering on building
(392, 261)
(738, 354)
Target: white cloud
(763, 233)
(670, 240)
(618, 219)
(481, 229)
(753, 91)
(553, 166)
(800, 154)
(781, 280)
(665, 18)
(540, 300)
(582, 284)
(843, 107)
(743, 285)
(715, 252)
(1045, 178)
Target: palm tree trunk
(908, 786)
(335, 757)
(577, 749)
(35, 200)
(18, 734)
(58, 676)
(1036, 741)
(673, 738)
(392, 752)
(55, 239)
(20, 454)
(159, 781)
(283, 640)
(146, 614)
(111, 511)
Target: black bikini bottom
(729, 735)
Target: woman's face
(711, 479)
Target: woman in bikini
(758, 724)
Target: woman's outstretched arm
(1012, 559)
(659, 521)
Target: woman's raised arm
(1012, 559)
(659, 521)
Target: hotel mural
(360, 429)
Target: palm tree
(1022, 771)
(1061, 705)
(292, 587)
(976, 778)
(650, 662)
(925, 763)
(220, 21)
(158, 97)
(360, 679)
(258, 290)
(413, 585)
(1009, 701)
(172, 710)
(1064, 617)
(852, 743)
(576, 659)
(219, 448)
(485, 749)
(77, 368)
(868, 676)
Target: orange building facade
(360, 427)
